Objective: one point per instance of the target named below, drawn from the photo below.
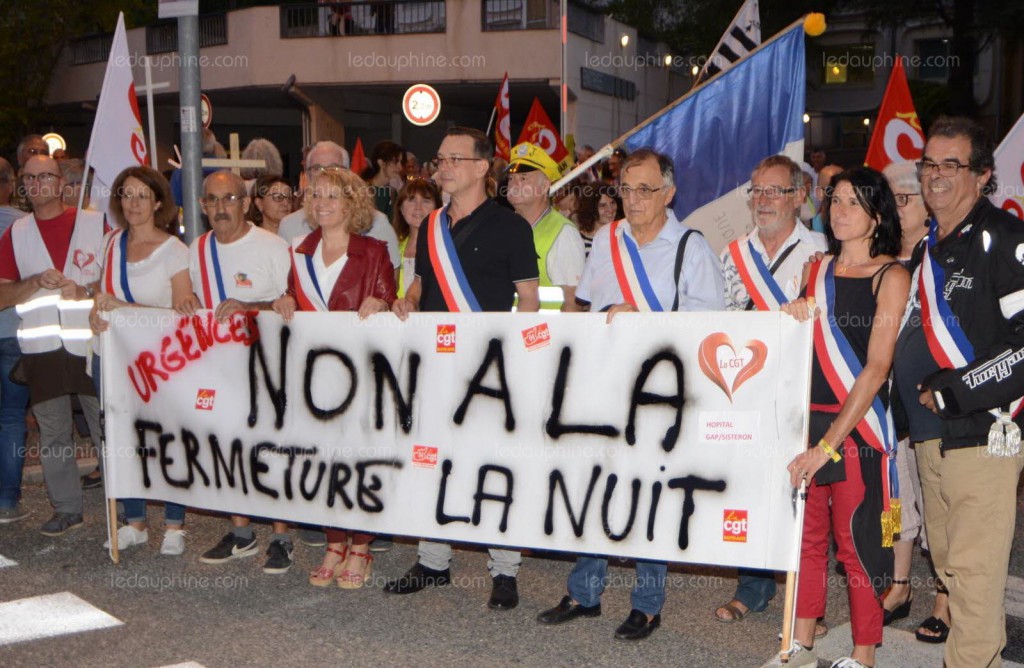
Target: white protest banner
(661, 436)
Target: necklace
(842, 267)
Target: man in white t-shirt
(238, 267)
(326, 156)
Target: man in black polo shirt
(494, 260)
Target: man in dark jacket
(971, 289)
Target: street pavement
(63, 603)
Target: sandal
(735, 613)
(324, 576)
(350, 579)
(900, 611)
(935, 625)
(820, 629)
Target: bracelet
(829, 450)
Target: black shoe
(418, 578)
(636, 626)
(900, 611)
(230, 547)
(504, 593)
(566, 611)
(279, 558)
(61, 523)
(89, 481)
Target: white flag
(117, 140)
(742, 37)
(1010, 171)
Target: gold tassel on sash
(892, 522)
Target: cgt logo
(727, 368)
(446, 338)
(204, 400)
(537, 337)
(734, 526)
(424, 456)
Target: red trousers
(865, 608)
(341, 536)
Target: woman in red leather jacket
(335, 268)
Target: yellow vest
(545, 232)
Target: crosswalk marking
(50, 615)
(5, 562)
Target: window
(932, 59)
(849, 64)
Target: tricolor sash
(947, 341)
(210, 273)
(757, 278)
(444, 260)
(307, 288)
(633, 281)
(115, 267)
(840, 366)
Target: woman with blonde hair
(335, 268)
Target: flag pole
(494, 110)
(150, 113)
(609, 148)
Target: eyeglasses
(453, 161)
(903, 199)
(317, 170)
(278, 197)
(37, 151)
(641, 192)
(770, 192)
(227, 200)
(945, 168)
(45, 177)
(131, 197)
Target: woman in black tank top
(845, 473)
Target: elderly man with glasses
(673, 268)
(238, 267)
(49, 268)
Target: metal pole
(151, 115)
(191, 124)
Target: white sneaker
(174, 542)
(847, 662)
(127, 536)
(801, 656)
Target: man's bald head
(43, 183)
(228, 178)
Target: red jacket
(367, 272)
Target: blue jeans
(590, 576)
(755, 589)
(13, 402)
(135, 509)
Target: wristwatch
(90, 291)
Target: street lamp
(624, 40)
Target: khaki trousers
(970, 505)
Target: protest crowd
(914, 281)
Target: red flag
(898, 136)
(359, 162)
(503, 137)
(541, 131)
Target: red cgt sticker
(446, 338)
(734, 526)
(204, 400)
(537, 336)
(424, 456)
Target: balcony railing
(401, 17)
(91, 49)
(520, 14)
(162, 37)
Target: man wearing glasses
(53, 305)
(673, 269)
(763, 270)
(971, 287)
(238, 267)
(326, 156)
(31, 146)
(493, 262)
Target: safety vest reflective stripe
(37, 303)
(551, 297)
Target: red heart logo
(83, 259)
(714, 361)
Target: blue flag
(718, 134)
